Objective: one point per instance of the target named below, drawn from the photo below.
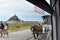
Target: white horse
(46, 27)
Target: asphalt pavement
(22, 35)
(19, 35)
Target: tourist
(5, 29)
(1, 28)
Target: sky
(23, 9)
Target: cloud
(23, 9)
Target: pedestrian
(1, 28)
(5, 29)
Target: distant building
(14, 19)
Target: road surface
(20, 35)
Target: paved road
(20, 35)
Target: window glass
(21, 20)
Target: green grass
(20, 26)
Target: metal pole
(51, 20)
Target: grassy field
(20, 26)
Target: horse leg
(34, 35)
(37, 35)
